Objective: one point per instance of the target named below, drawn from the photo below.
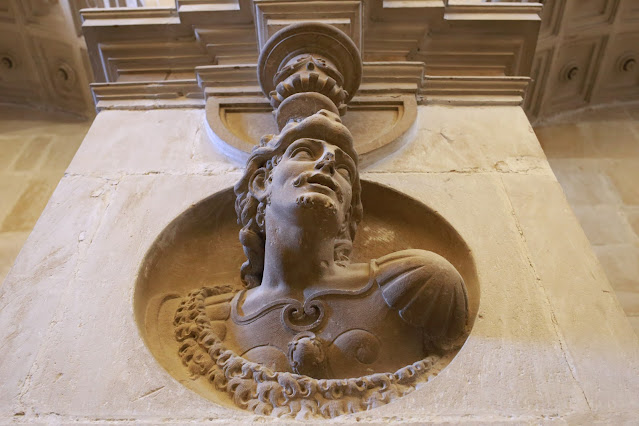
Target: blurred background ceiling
(43, 56)
(587, 55)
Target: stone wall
(595, 156)
(550, 341)
(35, 149)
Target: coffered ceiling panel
(63, 76)
(41, 61)
(34, 10)
(551, 17)
(629, 11)
(577, 64)
(620, 69)
(589, 50)
(541, 71)
(583, 13)
(18, 79)
(6, 11)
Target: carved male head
(315, 152)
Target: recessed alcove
(200, 248)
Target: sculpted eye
(345, 172)
(302, 153)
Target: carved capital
(307, 67)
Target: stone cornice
(129, 16)
(473, 90)
(238, 84)
(445, 36)
(493, 11)
(148, 95)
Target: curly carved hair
(323, 125)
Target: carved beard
(311, 202)
(303, 178)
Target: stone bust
(312, 332)
(306, 308)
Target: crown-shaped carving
(307, 67)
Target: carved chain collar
(257, 388)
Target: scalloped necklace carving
(257, 388)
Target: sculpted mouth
(320, 179)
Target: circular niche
(200, 248)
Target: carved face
(312, 175)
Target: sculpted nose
(327, 163)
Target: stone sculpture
(313, 333)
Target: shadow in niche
(201, 248)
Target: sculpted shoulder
(426, 290)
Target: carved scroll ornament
(312, 333)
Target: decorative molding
(551, 16)
(392, 77)
(126, 17)
(209, 13)
(77, 5)
(396, 87)
(235, 88)
(482, 55)
(227, 119)
(136, 95)
(230, 44)
(234, 97)
(271, 16)
(155, 44)
(474, 90)
(390, 31)
(493, 11)
(391, 89)
(378, 78)
(229, 80)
